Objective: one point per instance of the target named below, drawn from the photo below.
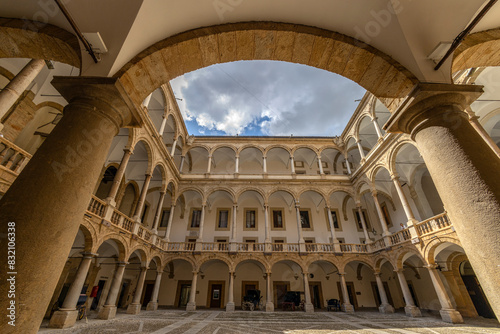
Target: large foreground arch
(327, 50)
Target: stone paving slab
(256, 322)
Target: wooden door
(183, 292)
(376, 293)
(351, 292)
(316, 294)
(280, 289)
(215, 294)
(148, 292)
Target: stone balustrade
(12, 161)
(97, 208)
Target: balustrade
(433, 224)
(12, 157)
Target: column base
(269, 307)
(309, 308)
(452, 316)
(386, 308)
(134, 309)
(191, 307)
(152, 306)
(63, 319)
(413, 311)
(230, 307)
(347, 308)
(107, 312)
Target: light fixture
(96, 42)
(296, 276)
(439, 51)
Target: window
(385, 212)
(305, 220)
(358, 220)
(195, 218)
(335, 220)
(277, 216)
(250, 219)
(223, 219)
(164, 217)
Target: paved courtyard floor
(246, 322)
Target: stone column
(416, 200)
(473, 119)
(209, 165)
(170, 222)
(191, 305)
(384, 307)
(264, 164)
(230, 298)
(66, 316)
(135, 306)
(299, 223)
(202, 222)
(181, 166)
(410, 309)
(348, 166)
(10, 94)
(111, 199)
(402, 197)
(377, 129)
(320, 165)
(237, 165)
(153, 304)
(108, 311)
(361, 152)
(461, 297)
(464, 170)
(346, 306)
(142, 198)
(55, 188)
(163, 123)
(385, 229)
(269, 293)
(159, 210)
(233, 223)
(335, 241)
(174, 144)
(146, 101)
(363, 223)
(292, 164)
(266, 224)
(448, 313)
(308, 306)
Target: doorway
(123, 294)
(280, 288)
(248, 285)
(95, 301)
(413, 294)
(183, 292)
(215, 294)
(316, 294)
(148, 292)
(376, 294)
(351, 292)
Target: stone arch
(363, 260)
(381, 193)
(264, 265)
(51, 104)
(163, 171)
(478, 49)
(230, 192)
(240, 149)
(208, 259)
(215, 148)
(121, 242)
(187, 259)
(327, 147)
(289, 191)
(344, 205)
(430, 248)
(393, 153)
(312, 259)
(157, 259)
(269, 148)
(373, 174)
(90, 237)
(380, 259)
(6, 73)
(143, 254)
(283, 258)
(195, 189)
(256, 189)
(194, 49)
(148, 146)
(172, 182)
(312, 189)
(298, 147)
(37, 40)
(358, 121)
(402, 255)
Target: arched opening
(196, 161)
(223, 161)
(278, 161)
(251, 161)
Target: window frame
(283, 228)
(310, 228)
(339, 223)
(191, 219)
(217, 221)
(245, 228)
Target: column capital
(121, 263)
(341, 273)
(163, 192)
(377, 273)
(195, 272)
(144, 268)
(104, 95)
(128, 151)
(432, 101)
(394, 176)
(89, 255)
(148, 175)
(399, 270)
(432, 266)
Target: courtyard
(220, 322)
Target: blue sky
(265, 98)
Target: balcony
(125, 225)
(12, 161)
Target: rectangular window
(385, 212)
(195, 218)
(305, 220)
(358, 220)
(277, 216)
(223, 219)
(164, 217)
(335, 220)
(250, 219)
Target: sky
(265, 98)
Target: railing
(353, 248)
(215, 246)
(97, 206)
(433, 224)
(250, 247)
(400, 237)
(12, 157)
